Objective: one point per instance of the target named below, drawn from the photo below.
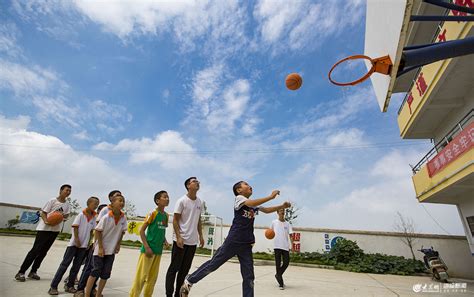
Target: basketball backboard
(386, 29)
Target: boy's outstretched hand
(274, 193)
(286, 204)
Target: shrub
(345, 251)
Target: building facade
(439, 105)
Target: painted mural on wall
(330, 242)
(30, 217)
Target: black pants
(181, 260)
(229, 249)
(72, 253)
(280, 268)
(43, 242)
(86, 271)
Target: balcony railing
(466, 120)
(433, 40)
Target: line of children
(112, 225)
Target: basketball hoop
(381, 65)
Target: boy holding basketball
(152, 247)
(281, 243)
(82, 228)
(239, 241)
(46, 234)
(109, 233)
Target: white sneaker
(185, 288)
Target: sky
(139, 96)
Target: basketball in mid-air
(293, 81)
(269, 233)
(55, 218)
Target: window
(470, 224)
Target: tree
(130, 209)
(406, 226)
(11, 224)
(74, 205)
(205, 213)
(291, 214)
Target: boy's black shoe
(20, 277)
(279, 280)
(53, 291)
(33, 275)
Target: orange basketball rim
(380, 65)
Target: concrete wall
(466, 209)
(453, 249)
(10, 211)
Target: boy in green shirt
(149, 261)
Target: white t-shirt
(104, 211)
(111, 232)
(50, 206)
(282, 232)
(84, 226)
(190, 211)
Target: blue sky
(141, 96)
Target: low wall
(453, 249)
(27, 216)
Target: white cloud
(222, 104)
(27, 80)
(44, 89)
(83, 135)
(373, 204)
(168, 148)
(57, 109)
(299, 24)
(350, 137)
(9, 34)
(222, 22)
(58, 19)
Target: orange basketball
(293, 81)
(55, 218)
(269, 233)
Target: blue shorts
(103, 266)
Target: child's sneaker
(69, 289)
(185, 288)
(53, 291)
(279, 280)
(33, 275)
(20, 277)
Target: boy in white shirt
(82, 228)
(107, 209)
(281, 243)
(46, 234)
(187, 233)
(109, 233)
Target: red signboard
(296, 236)
(296, 247)
(462, 143)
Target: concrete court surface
(226, 281)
